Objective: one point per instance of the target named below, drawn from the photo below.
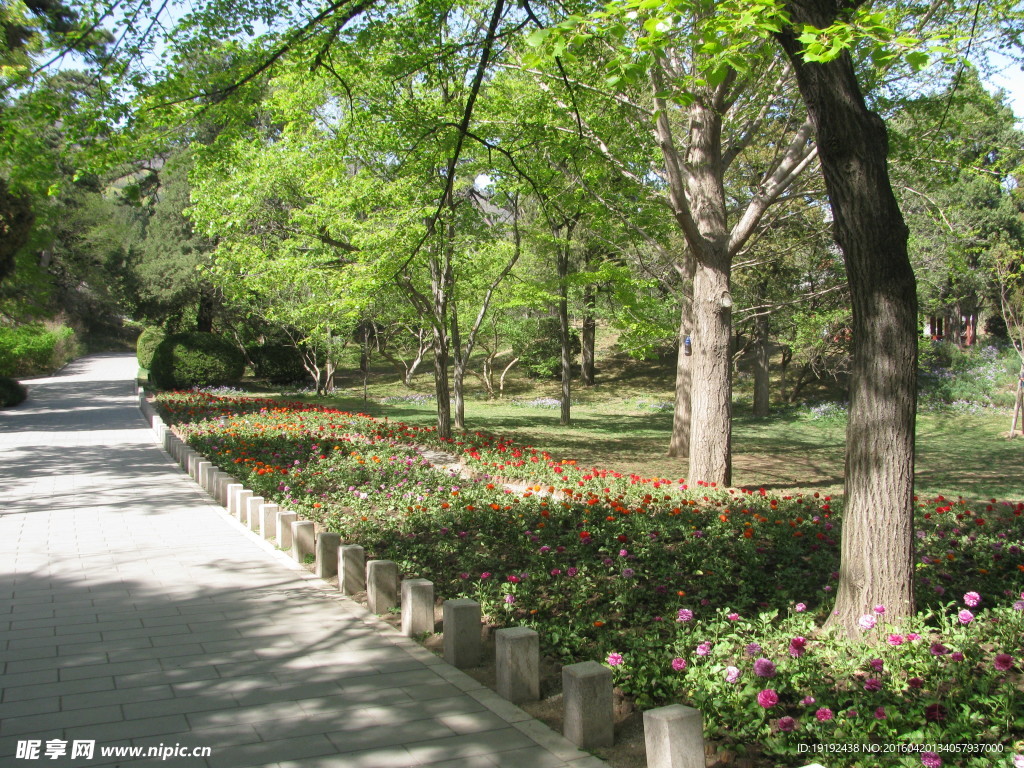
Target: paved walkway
(136, 612)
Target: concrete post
(224, 481)
(284, 529)
(351, 569)
(462, 632)
(232, 498)
(201, 468)
(303, 532)
(242, 497)
(417, 607)
(327, 554)
(589, 720)
(381, 585)
(252, 512)
(674, 736)
(517, 652)
(268, 520)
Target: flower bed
(713, 597)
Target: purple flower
(556, 571)
(872, 684)
(614, 659)
(787, 724)
(866, 622)
(807, 701)
(732, 674)
(509, 599)
(768, 698)
(824, 714)
(572, 571)
(623, 553)
(684, 615)
(938, 649)
(915, 682)
(876, 664)
(880, 713)
(628, 573)
(1019, 605)
(956, 656)
(704, 648)
(965, 616)
(800, 608)
(972, 599)
(753, 649)
(764, 668)
(678, 664)
(895, 640)
(930, 760)
(1002, 662)
(797, 646)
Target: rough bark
(439, 283)
(877, 566)
(679, 444)
(588, 337)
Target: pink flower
(912, 636)
(678, 664)
(938, 649)
(915, 682)
(872, 684)
(866, 622)
(807, 701)
(704, 648)
(956, 656)
(614, 659)
(768, 698)
(1003, 662)
(876, 664)
(930, 760)
(733, 617)
(509, 599)
(965, 616)
(824, 714)
(797, 646)
(800, 608)
(895, 640)
(972, 599)
(485, 575)
(685, 614)
(732, 674)
(787, 724)
(880, 713)
(879, 609)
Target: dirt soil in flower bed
(629, 750)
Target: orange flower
(598, 623)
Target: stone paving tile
(134, 610)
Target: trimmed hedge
(146, 345)
(186, 360)
(277, 363)
(36, 349)
(11, 392)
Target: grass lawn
(623, 424)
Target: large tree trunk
(16, 219)
(877, 565)
(761, 367)
(459, 369)
(679, 445)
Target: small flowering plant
(663, 581)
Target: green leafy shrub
(11, 392)
(966, 379)
(36, 348)
(539, 350)
(146, 345)
(186, 360)
(277, 363)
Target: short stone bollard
(303, 534)
(381, 586)
(674, 736)
(252, 512)
(517, 653)
(232, 500)
(589, 720)
(351, 569)
(224, 482)
(462, 632)
(202, 468)
(187, 457)
(417, 607)
(268, 520)
(327, 554)
(284, 529)
(242, 504)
